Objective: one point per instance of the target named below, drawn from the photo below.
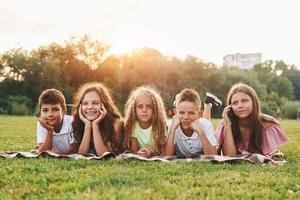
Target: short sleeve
(209, 131)
(273, 138)
(41, 133)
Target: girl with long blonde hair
(145, 122)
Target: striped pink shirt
(273, 138)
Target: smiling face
(91, 105)
(187, 112)
(53, 114)
(144, 110)
(242, 105)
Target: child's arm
(228, 147)
(47, 144)
(208, 149)
(84, 146)
(100, 146)
(169, 145)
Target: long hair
(158, 118)
(107, 124)
(256, 126)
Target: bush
(289, 110)
(20, 109)
(17, 105)
(267, 108)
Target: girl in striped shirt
(244, 129)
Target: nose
(240, 104)
(144, 109)
(185, 116)
(50, 113)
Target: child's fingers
(42, 121)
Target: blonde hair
(158, 118)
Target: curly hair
(107, 124)
(158, 118)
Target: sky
(207, 29)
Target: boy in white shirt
(189, 135)
(54, 128)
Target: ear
(65, 111)
(200, 113)
(174, 111)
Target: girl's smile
(91, 105)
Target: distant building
(244, 61)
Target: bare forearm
(85, 143)
(169, 145)
(228, 146)
(208, 149)
(47, 145)
(98, 141)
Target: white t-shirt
(192, 146)
(61, 141)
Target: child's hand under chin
(197, 126)
(175, 122)
(45, 124)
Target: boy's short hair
(52, 96)
(188, 95)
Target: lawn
(49, 178)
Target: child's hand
(103, 112)
(175, 122)
(85, 120)
(46, 125)
(144, 152)
(225, 115)
(197, 126)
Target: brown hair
(256, 128)
(52, 96)
(188, 95)
(107, 124)
(158, 119)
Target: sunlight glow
(206, 29)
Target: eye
(149, 106)
(84, 103)
(245, 100)
(139, 106)
(44, 110)
(95, 103)
(234, 103)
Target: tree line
(25, 74)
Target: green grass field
(49, 178)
